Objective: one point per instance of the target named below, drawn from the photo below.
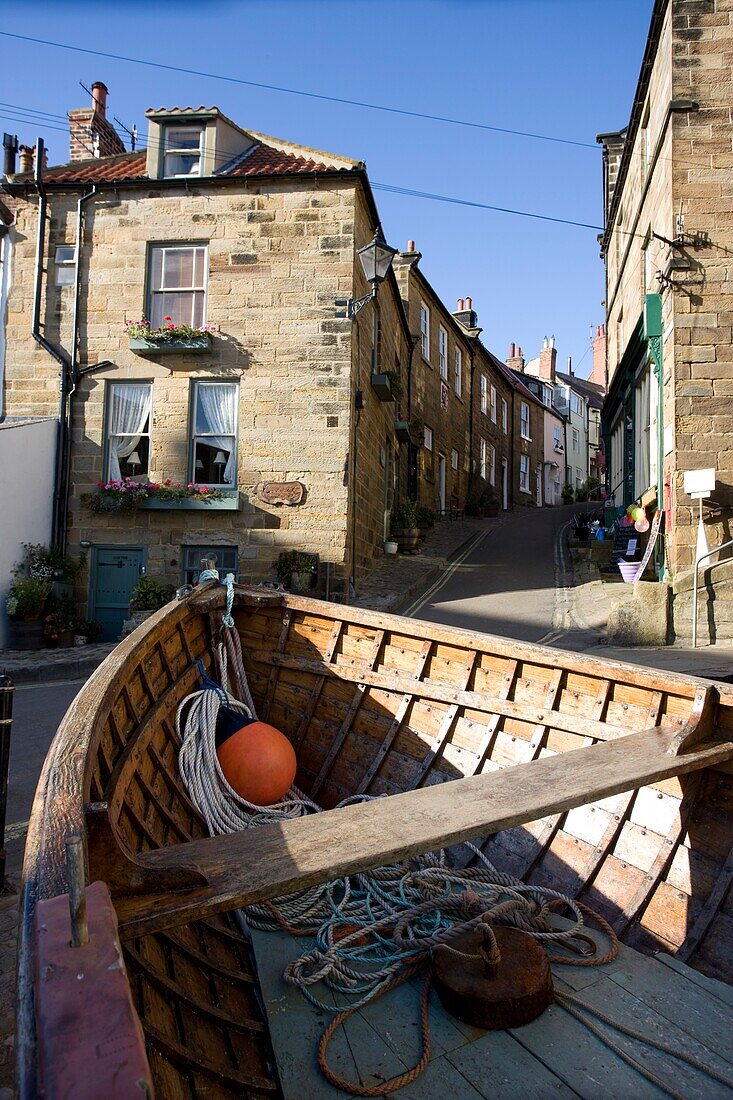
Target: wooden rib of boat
(470, 734)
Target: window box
(195, 345)
(382, 386)
(402, 430)
(232, 502)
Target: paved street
(506, 585)
(37, 711)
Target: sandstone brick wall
(381, 462)
(703, 306)
(280, 254)
(438, 406)
(683, 164)
(485, 428)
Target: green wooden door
(116, 571)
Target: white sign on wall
(699, 483)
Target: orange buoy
(258, 762)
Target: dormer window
(182, 149)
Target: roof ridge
(280, 145)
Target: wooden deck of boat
(555, 1056)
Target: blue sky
(565, 68)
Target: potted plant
(45, 563)
(147, 596)
(567, 494)
(168, 338)
(382, 386)
(390, 546)
(489, 503)
(405, 527)
(87, 632)
(425, 519)
(25, 605)
(298, 569)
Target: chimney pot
(99, 98)
(519, 352)
(512, 349)
(469, 304)
(410, 246)
(27, 154)
(460, 305)
(10, 147)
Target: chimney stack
(27, 156)
(91, 134)
(515, 359)
(548, 359)
(466, 314)
(598, 374)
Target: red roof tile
(262, 160)
(266, 161)
(126, 166)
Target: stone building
(667, 244)
(438, 397)
(555, 429)
(257, 238)
(508, 413)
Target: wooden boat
(469, 734)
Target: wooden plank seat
(252, 866)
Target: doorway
(505, 485)
(441, 484)
(115, 570)
(390, 472)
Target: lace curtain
(129, 418)
(217, 414)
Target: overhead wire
(301, 92)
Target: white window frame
(484, 386)
(171, 150)
(454, 459)
(428, 438)
(443, 353)
(557, 437)
(504, 415)
(192, 554)
(194, 436)
(482, 460)
(425, 331)
(576, 441)
(524, 420)
(524, 474)
(458, 372)
(492, 465)
(197, 290)
(492, 403)
(108, 436)
(65, 268)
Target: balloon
(258, 762)
(642, 525)
(637, 514)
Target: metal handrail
(708, 554)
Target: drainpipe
(514, 432)
(472, 362)
(57, 534)
(412, 450)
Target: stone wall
(280, 255)
(492, 431)
(434, 399)
(703, 305)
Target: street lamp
(376, 260)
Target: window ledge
(527, 491)
(197, 345)
(232, 502)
